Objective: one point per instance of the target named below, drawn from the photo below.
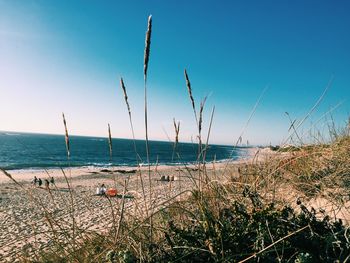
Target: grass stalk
(66, 136)
(301, 122)
(121, 211)
(110, 142)
(67, 181)
(138, 158)
(145, 68)
(189, 89)
(207, 144)
(274, 243)
(176, 141)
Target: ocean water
(35, 151)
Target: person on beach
(47, 184)
(35, 180)
(52, 180)
(103, 189)
(40, 182)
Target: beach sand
(33, 218)
(26, 210)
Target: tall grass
(66, 136)
(110, 142)
(145, 68)
(176, 141)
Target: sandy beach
(26, 210)
(33, 218)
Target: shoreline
(27, 174)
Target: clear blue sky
(67, 56)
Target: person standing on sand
(35, 180)
(52, 180)
(47, 184)
(40, 182)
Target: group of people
(37, 181)
(101, 190)
(167, 178)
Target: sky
(68, 56)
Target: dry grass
(110, 142)
(66, 136)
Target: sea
(39, 151)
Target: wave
(11, 134)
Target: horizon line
(106, 137)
